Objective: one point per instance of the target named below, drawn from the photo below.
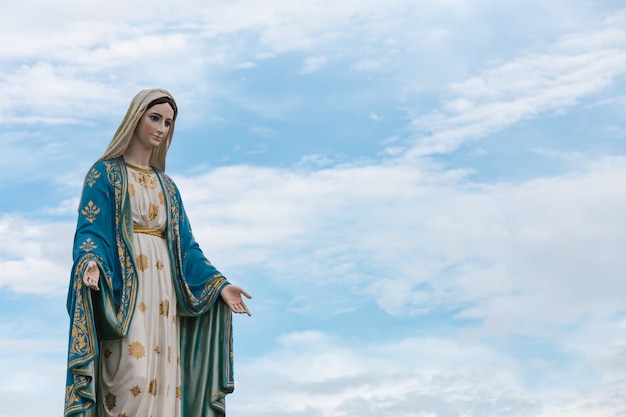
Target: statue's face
(154, 126)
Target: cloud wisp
(573, 69)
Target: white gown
(140, 374)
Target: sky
(425, 198)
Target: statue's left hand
(231, 294)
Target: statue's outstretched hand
(92, 276)
(231, 294)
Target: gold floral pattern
(110, 401)
(71, 398)
(92, 176)
(135, 391)
(82, 344)
(144, 179)
(82, 341)
(88, 245)
(142, 307)
(142, 262)
(179, 392)
(164, 307)
(90, 211)
(153, 211)
(137, 350)
(118, 180)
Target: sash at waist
(148, 231)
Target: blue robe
(104, 235)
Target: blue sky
(425, 198)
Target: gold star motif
(179, 392)
(110, 401)
(156, 350)
(142, 262)
(142, 306)
(136, 350)
(153, 387)
(153, 211)
(107, 353)
(159, 265)
(164, 308)
(135, 391)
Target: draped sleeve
(199, 283)
(101, 236)
(206, 339)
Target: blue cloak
(104, 235)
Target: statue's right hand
(92, 276)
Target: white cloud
(92, 58)
(35, 255)
(262, 131)
(572, 69)
(496, 250)
(413, 239)
(246, 65)
(43, 92)
(418, 241)
(28, 365)
(311, 373)
(314, 64)
(367, 65)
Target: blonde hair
(124, 134)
